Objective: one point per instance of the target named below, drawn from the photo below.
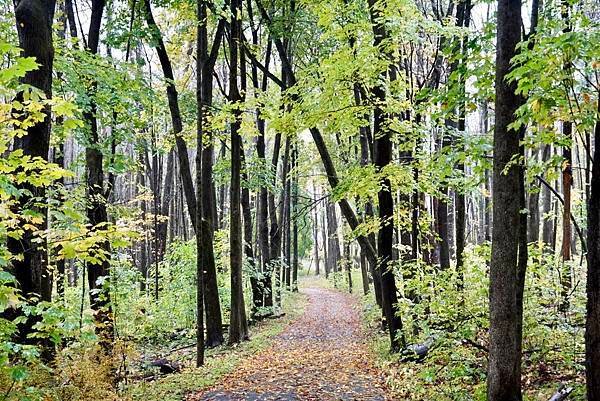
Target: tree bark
(238, 326)
(383, 157)
(173, 100)
(592, 328)
(34, 21)
(504, 370)
(97, 213)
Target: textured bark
(567, 183)
(592, 328)
(201, 39)
(59, 159)
(238, 326)
(383, 157)
(31, 271)
(211, 294)
(366, 158)
(325, 243)
(364, 273)
(348, 265)
(504, 370)
(97, 213)
(463, 20)
(212, 302)
(262, 213)
(442, 229)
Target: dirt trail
(320, 356)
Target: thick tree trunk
(442, 229)
(212, 302)
(262, 213)
(34, 21)
(238, 326)
(383, 157)
(201, 43)
(592, 328)
(97, 213)
(211, 294)
(504, 370)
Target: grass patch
(219, 361)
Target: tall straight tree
(504, 370)
(238, 326)
(383, 157)
(214, 332)
(592, 327)
(34, 22)
(211, 294)
(96, 195)
(201, 39)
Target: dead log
(562, 393)
(165, 366)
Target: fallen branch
(562, 393)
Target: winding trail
(320, 356)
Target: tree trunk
(97, 213)
(201, 39)
(238, 326)
(383, 157)
(315, 227)
(504, 370)
(333, 246)
(172, 97)
(328, 165)
(294, 218)
(34, 22)
(325, 243)
(547, 224)
(262, 213)
(592, 328)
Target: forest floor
(322, 355)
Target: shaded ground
(320, 356)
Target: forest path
(322, 356)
